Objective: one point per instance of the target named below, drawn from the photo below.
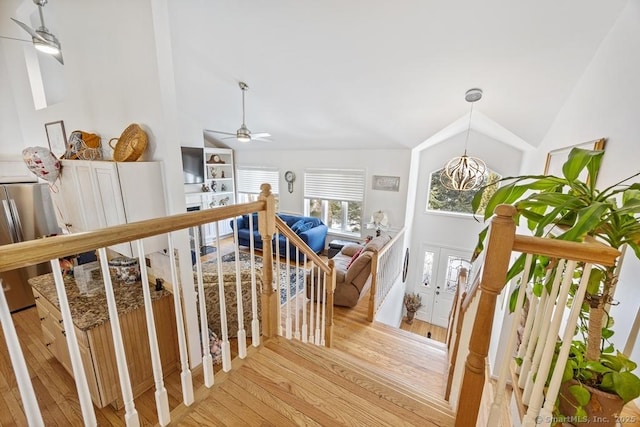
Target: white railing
(51, 249)
(552, 316)
(386, 268)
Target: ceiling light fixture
(465, 173)
(42, 38)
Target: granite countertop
(89, 311)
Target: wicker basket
(130, 145)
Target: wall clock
(290, 177)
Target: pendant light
(465, 173)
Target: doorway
(440, 270)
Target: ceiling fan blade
(29, 30)
(260, 135)
(221, 132)
(58, 57)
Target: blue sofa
(311, 230)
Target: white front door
(441, 268)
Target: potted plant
(572, 204)
(412, 302)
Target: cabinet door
(109, 193)
(87, 196)
(66, 200)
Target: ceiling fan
(243, 134)
(42, 38)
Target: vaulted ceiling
(380, 74)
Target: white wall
(374, 162)
(460, 231)
(604, 103)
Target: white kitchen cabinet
(98, 194)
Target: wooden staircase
(376, 376)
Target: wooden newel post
(498, 253)
(267, 228)
(373, 290)
(331, 287)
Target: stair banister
(499, 246)
(267, 228)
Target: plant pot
(410, 316)
(603, 409)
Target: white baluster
(528, 328)
(544, 328)
(563, 354)
(288, 328)
(162, 400)
(82, 386)
(525, 368)
(498, 400)
(130, 413)
(28, 396)
(305, 332)
(185, 374)
(255, 321)
(537, 394)
(324, 309)
(311, 306)
(207, 359)
(297, 291)
(242, 334)
(318, 304)
(226, 347)
(276, 280)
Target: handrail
(375, 264)
(391, 242)
(31, 252)
(283, 228)
(593, 251)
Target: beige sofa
(353, 278)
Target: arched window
(442, 199)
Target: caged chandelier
(465, 173)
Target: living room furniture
(93, 331)
(335, 246)
(212, 295)
(311, 230)
(353, 271)
(97, 194)
(219, 179)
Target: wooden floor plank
(267, 412)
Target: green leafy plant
(573, 208)
(412, 302)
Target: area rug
(296, 276)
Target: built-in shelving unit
(217, 190)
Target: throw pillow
(354, 257)
(304, 227)
(296, 225)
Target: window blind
(249, 179)
(334, 184)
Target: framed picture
(57, 138)
(556, 158)
(386, 183)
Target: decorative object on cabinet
(130, 145)
(42, 163)
(56, 137)
(215, 159)
(290, 177)
(205, 188)
(84, 146)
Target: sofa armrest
(350, 249)
(315, 237)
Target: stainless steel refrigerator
(26, 213)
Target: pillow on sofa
(304, 227)
(296, 226)
(354, 257)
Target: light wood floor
(425, 329)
